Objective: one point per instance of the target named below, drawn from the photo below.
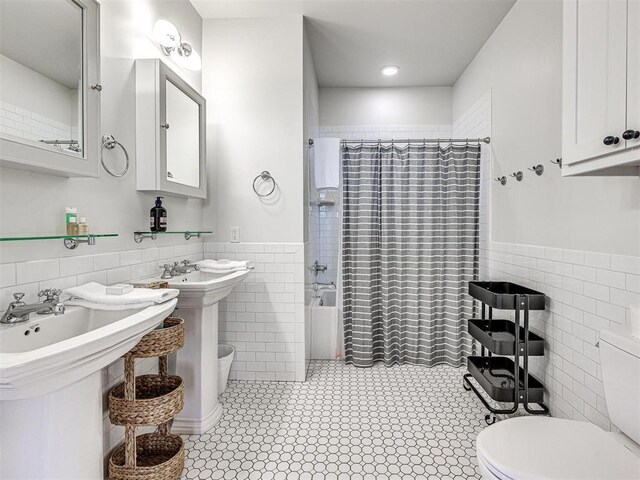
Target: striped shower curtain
(410, 245)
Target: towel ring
(265, 176)
(109, 142)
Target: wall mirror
(49, 61)
(170, 132)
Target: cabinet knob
(631, 134)
(611, 140)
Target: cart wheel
(490, 418)
(464, 385)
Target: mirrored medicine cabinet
(170, 132)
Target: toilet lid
(554, 449)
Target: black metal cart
(502, 378)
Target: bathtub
(326, 326)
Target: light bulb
(166, 34)
(389, 70)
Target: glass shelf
(188, 234)
(70, 241)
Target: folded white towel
(326, 162)
(94, 295)
(219, 270)
(222, 265)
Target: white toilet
(536, 448)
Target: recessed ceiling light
(389, 70)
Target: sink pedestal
(57, 435)
(197, 361)
(197, 364)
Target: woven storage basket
(161, 341)
(157, 400)
(158, 457)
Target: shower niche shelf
(188, 234)
(70, 241)
(502, 378)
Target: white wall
(521, 65)
(385, 106)
(252, 77)
(29, 90)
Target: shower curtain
(410, 245)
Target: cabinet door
(594, 77)
(633, 71)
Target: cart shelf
(495, 376)
(498, 336)
(502, 295)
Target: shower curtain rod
(418, 140)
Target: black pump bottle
(158, 218)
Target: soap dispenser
(158, 217)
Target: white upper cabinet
(601, 89)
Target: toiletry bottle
(83, 228)
(158, 217)
(70, 212)
(72, 226)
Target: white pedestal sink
(197, 362)
(51, 413)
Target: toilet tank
(620, 362)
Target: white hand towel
(219, 270)
(222, 265)
(326, 162)
(95, 294)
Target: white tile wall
(30, 277)
(25, 124)
(263, 318)
(582, 299)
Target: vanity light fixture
(167, 35)
(389, 70)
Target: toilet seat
(536, 448)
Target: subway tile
(597, 260)
(7, 274)
(106, 261)
(76, 265)
(610, 278)
(625, 264)
(38, 270)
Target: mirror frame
(151, 139)
(47, 158)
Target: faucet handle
(185, 262)
(18, 297)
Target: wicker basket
(157, 400)
(158, 457)
(161, 341)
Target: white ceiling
(45, 36)
(432, 41)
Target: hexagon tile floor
(403, 422)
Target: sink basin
(51, 388)
(50, 352)
(197, 362)
(198, 284)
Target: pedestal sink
(51, 412)
(197, 362)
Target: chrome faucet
(189, 265)
(178, 269)
(166, 271)
(317, 268)
(18, 311)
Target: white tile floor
(404, 422)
